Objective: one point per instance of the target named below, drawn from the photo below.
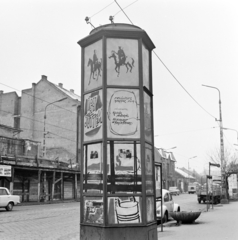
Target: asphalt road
(41, 222)
(188, 202)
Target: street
(188, 202)
(37, 222)
(59, 221)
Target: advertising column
(117, 157)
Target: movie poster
(125, 161)
(122, 62)
(150, 209)
(123, 115)
(145, 64)
(149, 169)
(93, 210)
(124, 210)
(147, 117)
(93, 116)
(94, 159)
(93, 66)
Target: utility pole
(223, 178)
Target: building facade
(39, 139)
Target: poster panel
(150, 209)
(158, 180)
(122, 62)
(145, 66)
(125, 174)
(123, 114)
(147, 117)
(125, 162)
(149, 169)
(93, 66)
(124, 210)
(93, 116)
(93, 168)
(93, 210)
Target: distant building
(167, 160)
(40, 116)
(40, 142)
(183, 179)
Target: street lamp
(188, 166)
(44, 133)
(232, 130)
(221, 145)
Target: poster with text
(93, 66)
(93, 116)
(123, 113)
(122, 62)
(124, 210)
(147, 117)
(145, 64)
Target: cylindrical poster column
(117, 157)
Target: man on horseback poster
(95, 59)
(121, 55)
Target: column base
(118, 233)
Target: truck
(211, 193)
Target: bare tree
(230, 164)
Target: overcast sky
(196, 40)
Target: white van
(192, 188)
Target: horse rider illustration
(121, 55)
(95, 58)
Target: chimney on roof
(1, 91)
(60, 85)
(72, 90)
(43, 77)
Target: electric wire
(125, 7)
(41, 122)
(171, 72)
(101, 10)
(182, 85)
(124, 12)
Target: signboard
(93, 116)
(123, 113)
(5, 171)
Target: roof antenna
(111, 18)
(87, 19)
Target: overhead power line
(182, 86)
(171, 72)
(124, 12)
(49, 124)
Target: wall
(60, 122)
(8, 108)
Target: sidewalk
(221, 222)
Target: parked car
(168, 206)
(174, 191)
(7, 200)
